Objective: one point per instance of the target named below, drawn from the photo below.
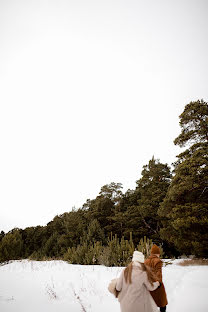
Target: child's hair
(128, 273)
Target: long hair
(150, 275)
(128, 273)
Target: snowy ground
(58, 286)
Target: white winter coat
(135, 297)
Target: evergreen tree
(102, 208)
(51, 248)
(11, 246)
(2, 234)
(112, 191)
(126, 217)
(74, 225)
(152, 188)
(33, 239)
(95, 232)
(185, 208)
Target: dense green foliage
(115, 253)
(185, 207)
(170, 208)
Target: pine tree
(102, 209)
(112, 191)
(152, 189)
(11, 246)
(127, 219)
(95, 232)
(185, 208)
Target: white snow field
(49, 286)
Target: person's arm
(150, 286)
(119, 282)
(158, 270)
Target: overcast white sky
(90, 91)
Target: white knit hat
(138, 256)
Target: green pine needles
(117, 252)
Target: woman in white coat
(134, 285)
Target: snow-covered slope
(58, 286)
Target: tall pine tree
(185, 208)
(152, 189)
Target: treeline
(168, 207)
